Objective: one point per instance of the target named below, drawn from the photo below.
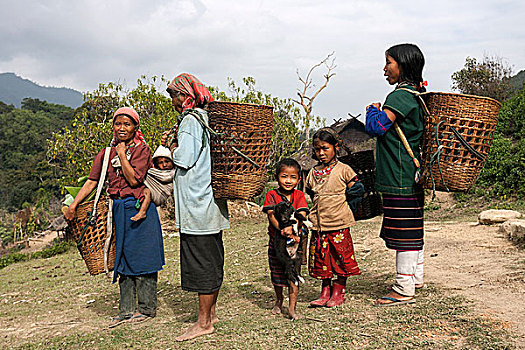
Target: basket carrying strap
(92, 216)
(109, 234)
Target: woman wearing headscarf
(139, 246)
(199, 217)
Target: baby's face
(164, 163)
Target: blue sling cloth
(139, 245)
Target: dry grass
(54, 304)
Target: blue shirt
(196, 210)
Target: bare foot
(277, 308)
(195, 331)
(139, 216)
(214, 319)
(295, 316)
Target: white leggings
(409, 266)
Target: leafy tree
(4, 108)
(489, 78)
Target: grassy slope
(54, 304)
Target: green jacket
(395, 169)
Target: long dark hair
(411, 61)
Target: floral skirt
(332, 253)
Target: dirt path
(40, 242)
(480, 263)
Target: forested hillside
(23, 134)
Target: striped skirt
(403, 227)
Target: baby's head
(163, 163)
(162, 159)
(287, 174)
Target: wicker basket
(248, 128)
(92, 245)
(364, 165)
(475, 119)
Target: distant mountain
(13, 89)
(518, 80)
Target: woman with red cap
(199, 217)
(139, 246)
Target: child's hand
(164, 138)
(287, 231)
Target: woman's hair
(286, 162)
(326, 135)
(410, 60)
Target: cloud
(81, 44)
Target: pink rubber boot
(338, 295)
(325, 295)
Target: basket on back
(248, 129)
(457, 139)
(93, 240)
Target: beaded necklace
(326, 170)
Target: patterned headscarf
(197, 95)
(138, 139)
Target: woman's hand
(88, 187)
(71, 212)
(121, 150)
(376, 105)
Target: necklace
(326, 170)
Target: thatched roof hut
(355, 139)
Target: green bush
(504, 170)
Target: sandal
(394, 301)
(138, 318)
(118, 320)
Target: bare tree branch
(305, 101)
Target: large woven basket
(248, 128)
(92, 245)
(363, 163)
(457, 167)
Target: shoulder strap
(197, 116)
(101, 180)
(418, 95)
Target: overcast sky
(80, 44)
